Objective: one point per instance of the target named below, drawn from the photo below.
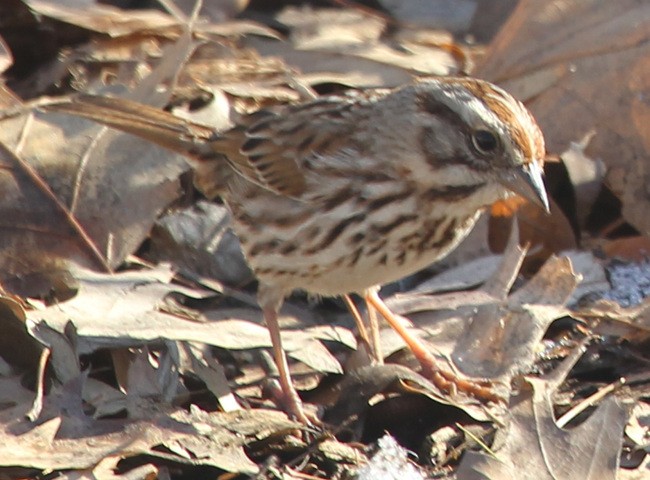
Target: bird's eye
(485, 141)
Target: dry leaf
(584, 66)
(545, 234)
(126, 309)
(455, 15)
(200, 242)
(70, 440)
(463, 277)
(17, 348)
(631, 249)
(586, 176)
(535, 448)
(609, 318)
(75, 192)
(325, 49)
(104, 18)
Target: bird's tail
(197, 142)
(150, 123)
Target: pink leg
(371, 340)
(291, 400)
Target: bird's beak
(526, 180)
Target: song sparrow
(345, 193)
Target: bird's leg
(445, 380)
(270, 301)
(370, 340)
(291, 400)
(373, 322)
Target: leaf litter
(155, 369)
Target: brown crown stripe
(518, 134)
(509, 113)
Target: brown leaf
(609, 318)
(104, 18)
(533, 447)
(545, 234)
(352, 394)
(586, 175)
(503, 339)
(127, 309)
(203, 364)
(16, 346)
(77, 193)
(195, 438)
(350, 47)
(631, 249)
(199, 241)
(584, 65)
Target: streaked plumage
(342, 194)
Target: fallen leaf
(586, 174)
(104, 18)
(630, 249)
(545, 233)
(200, 242)
(78, 193)
(532, 446)
(65, 442)
(594, 55)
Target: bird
(343, 193)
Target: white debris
(390, 463)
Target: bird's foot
(452, 383)
(290, 402)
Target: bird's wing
(271, 148)
(282, 145)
